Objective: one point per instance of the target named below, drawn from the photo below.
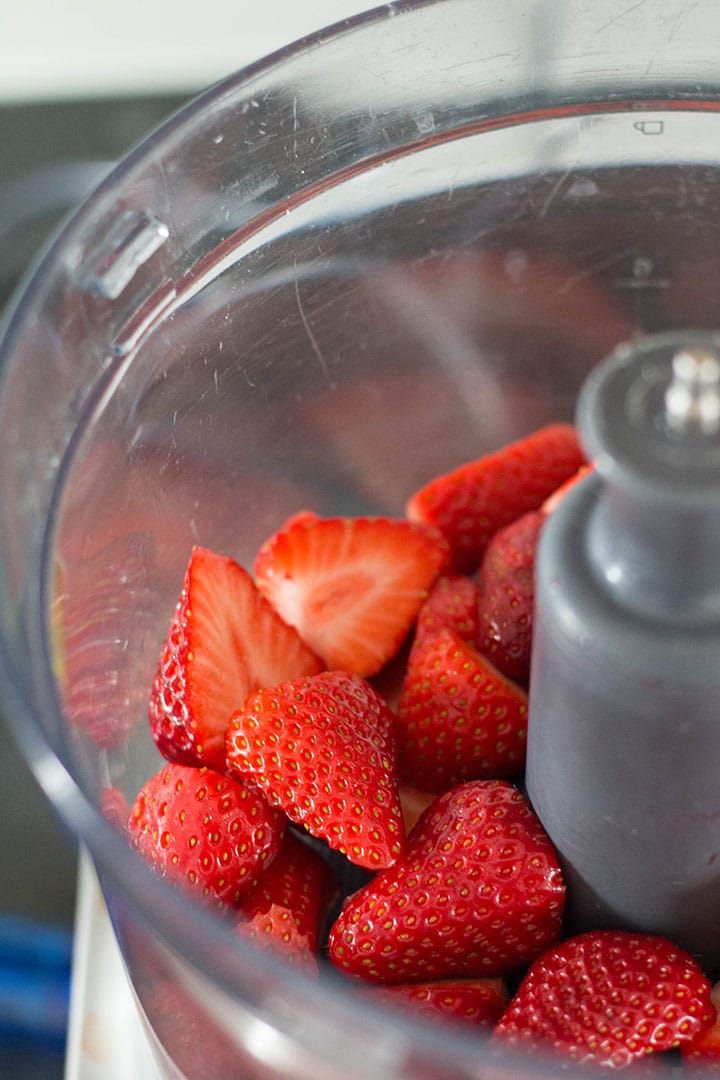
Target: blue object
(35, 963)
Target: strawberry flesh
(204, 831)
(225, 642)
(473, 501)
(478, 893)
(610, 997)
(458, 717)
(323, 749)
(351, 587)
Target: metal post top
(649, 417)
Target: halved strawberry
(477, 893)
(323, 749)
(609, 997)
(285, 908)
(225, 641)
(472, 1001)
(506, 596)
(204, 831)
(473, 501)
(351, 586)
(458, 718)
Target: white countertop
(82, 48)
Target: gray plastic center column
(624, 731)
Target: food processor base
(107, 1039)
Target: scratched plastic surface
(337, 274)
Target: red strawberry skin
(478, 893)
(287, 904)
(323, 749)
(473, 501)
(204, 831)
(458, 718)
(352, 587)
(506, 588)
(703, 1051)
(451, 604)
(225, 641)
(472, 1001)
(610, 997)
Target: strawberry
(352, 587)
(225, 641)
(414, 803)
(287, 904)
(323, 749)
(703, 1051)
(458, 718)
(452, 603)
(475, 1001)
(477, 893)
(473, 501)
(506, 588)
(610, 997)
(204, 831)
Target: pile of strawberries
(361, 701)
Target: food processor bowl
(383, 251)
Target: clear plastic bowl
(383, 251)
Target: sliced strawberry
(474, 1001)
(478, 893)
(473, 501)
(204, 831)
(452, 604)
(352, 587)
(288, 904)
(323, 750)
(458, 718)
(225, 642)
(703, 1051)
(610, 997)
(506, 596)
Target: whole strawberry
(506, 596)
(477, 893)
(610, 997)
(204, 831)
(451, 604)
(458, 718)
(288, 902)
(323, 750)
(225, 641)
(473, 501)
